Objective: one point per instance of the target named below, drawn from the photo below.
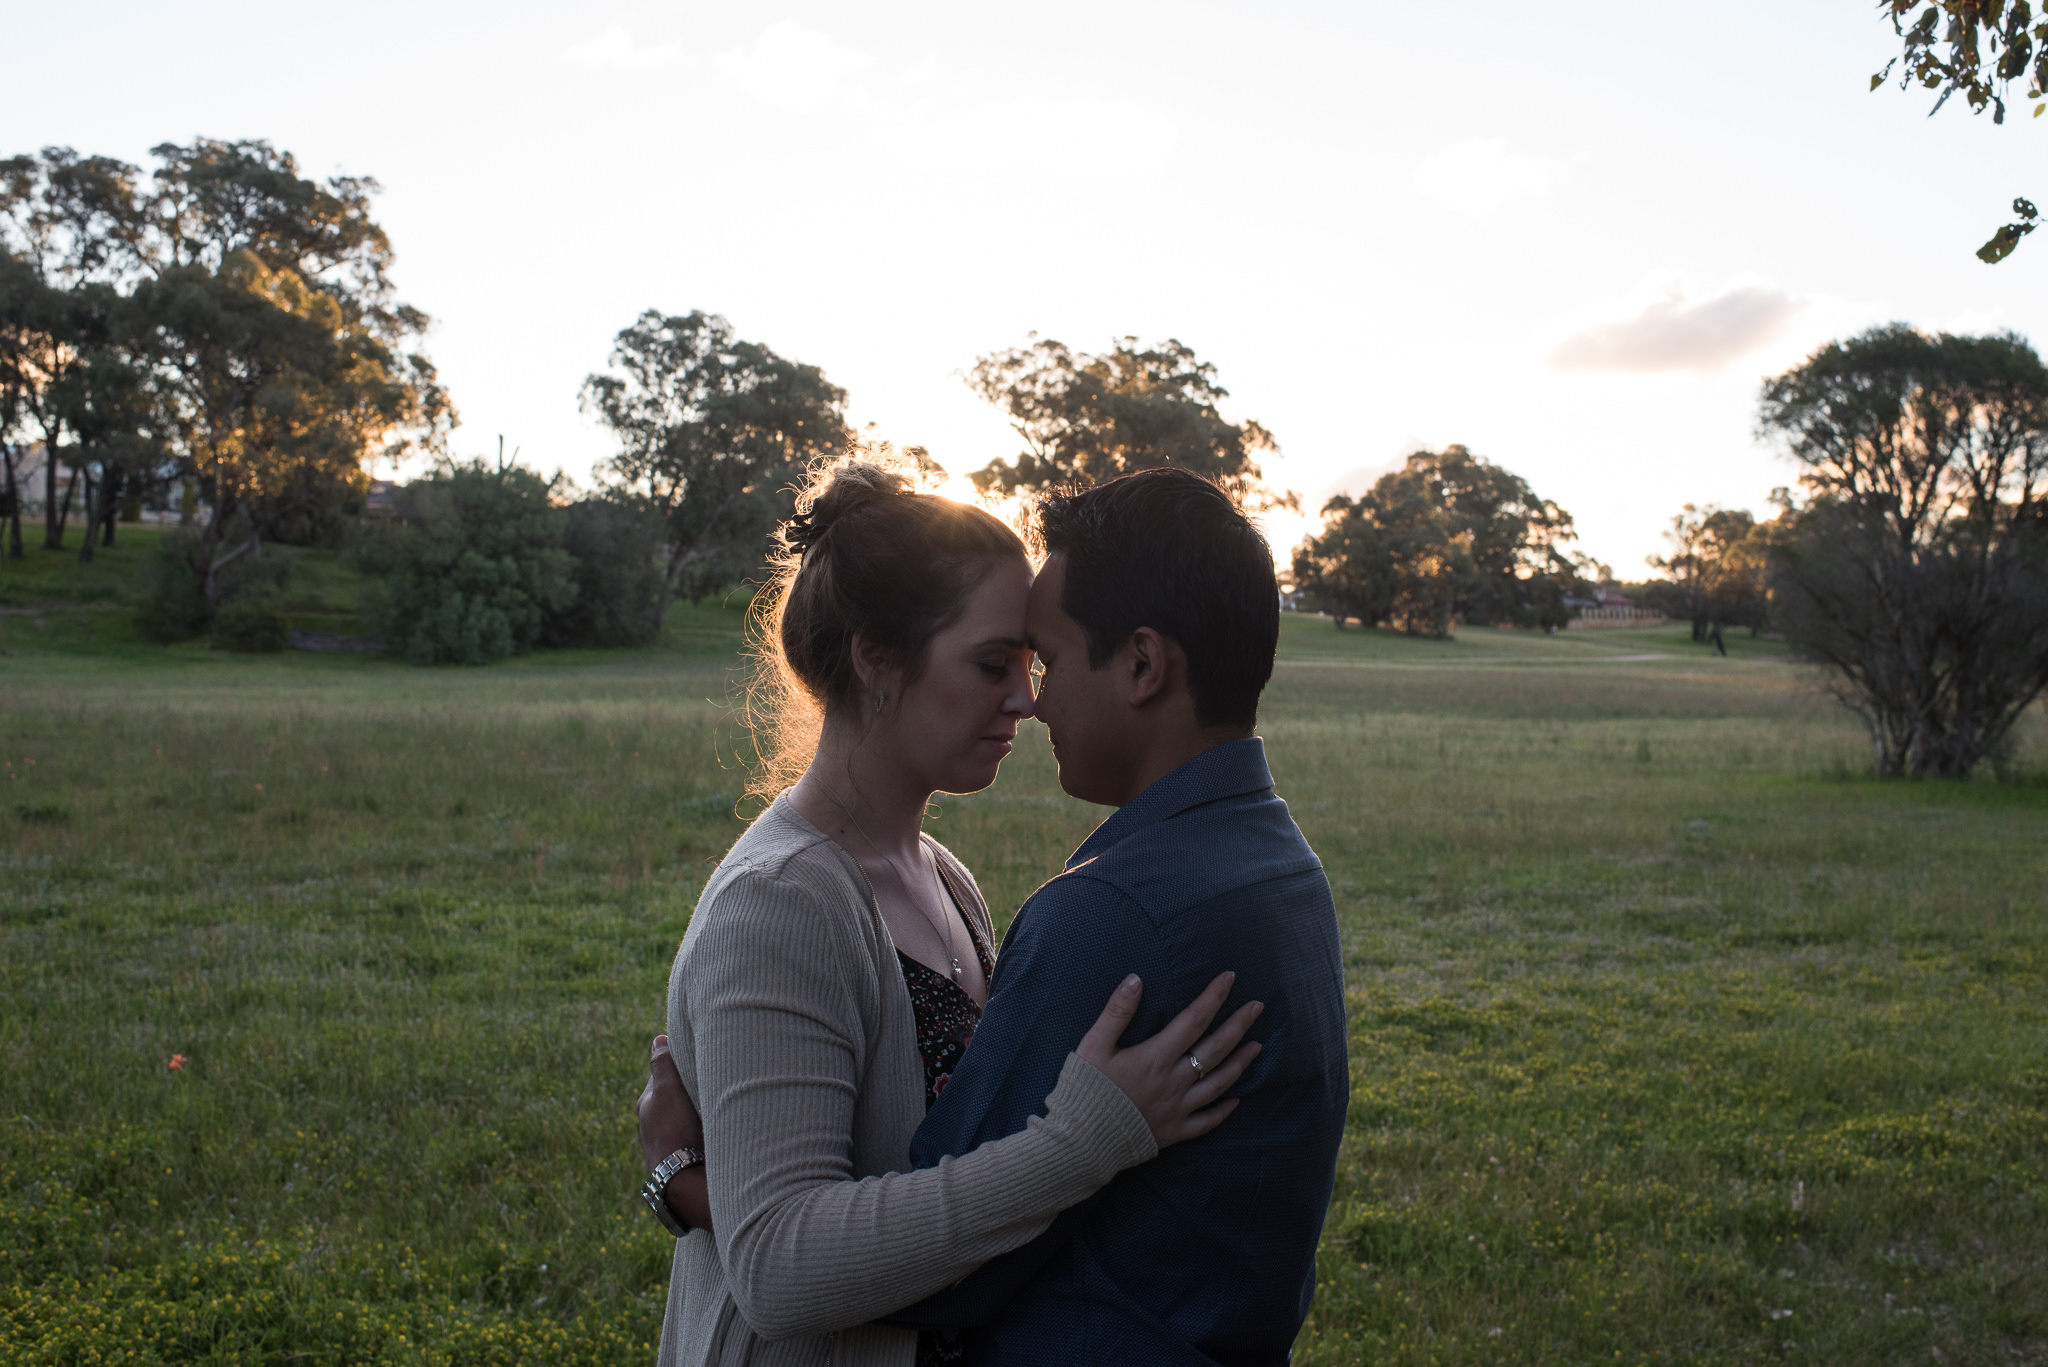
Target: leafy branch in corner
(1984, 47)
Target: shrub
(618, 549)
(474, 569)
(249, 629)
(173, 604)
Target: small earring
(878, 703)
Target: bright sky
(1573, 238)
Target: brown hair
(866, 555)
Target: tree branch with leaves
(1976, 49)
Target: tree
(255, 309)
(1087, 419)
(474, 570)
(18, 304)
(39, 357)
(713, 432)
(269, 322)
(1717, 566)
(1449, 537)
(65, 225)
(1916, 572)
(1982, 48)
(1348, 570)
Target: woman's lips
(1003, 743)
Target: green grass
(1674, 1038)
(49, 600)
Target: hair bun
(851, 486)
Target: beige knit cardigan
(790, 1023)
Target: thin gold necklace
(945, 939)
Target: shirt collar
(1230, 770)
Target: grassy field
(1675, 1038)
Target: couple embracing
(880, 1142)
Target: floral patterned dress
(946, 1020)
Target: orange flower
(177, 1062)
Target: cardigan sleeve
(779, 1005)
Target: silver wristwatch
(655, 1191)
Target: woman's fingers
(1220, 1078)
(1200, 1123)
(1099, 1044)
(1183, 1030)
(1224, 1038)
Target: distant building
(29, 467)
(1611, 608)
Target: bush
(249, 629)
(618, 551)
(475, 569)
(173, 606)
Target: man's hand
(1174, 1096)
(669, 1121)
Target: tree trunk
(95, 493)
(53, 535)
(13, 505)
(110, 501)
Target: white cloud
(1674, 332)
(793, 67)
(1482, 174)
(614, 48)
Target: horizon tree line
(229, 327)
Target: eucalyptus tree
(1449, 537)
(1916, 571)
(713, 432)
(1090, 418)
(277, 346)
(1716, 565)
(254, 307)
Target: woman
(838, 962)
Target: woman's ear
(871, 665)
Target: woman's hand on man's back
(1178, 1100)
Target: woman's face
(954, 724)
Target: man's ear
(1151, 662)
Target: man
(1156, 619)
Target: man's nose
(1023, 699)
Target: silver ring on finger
(1196, 1064)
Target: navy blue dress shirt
(1207, 1253)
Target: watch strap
(655, 1190)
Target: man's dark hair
(1167, 549)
